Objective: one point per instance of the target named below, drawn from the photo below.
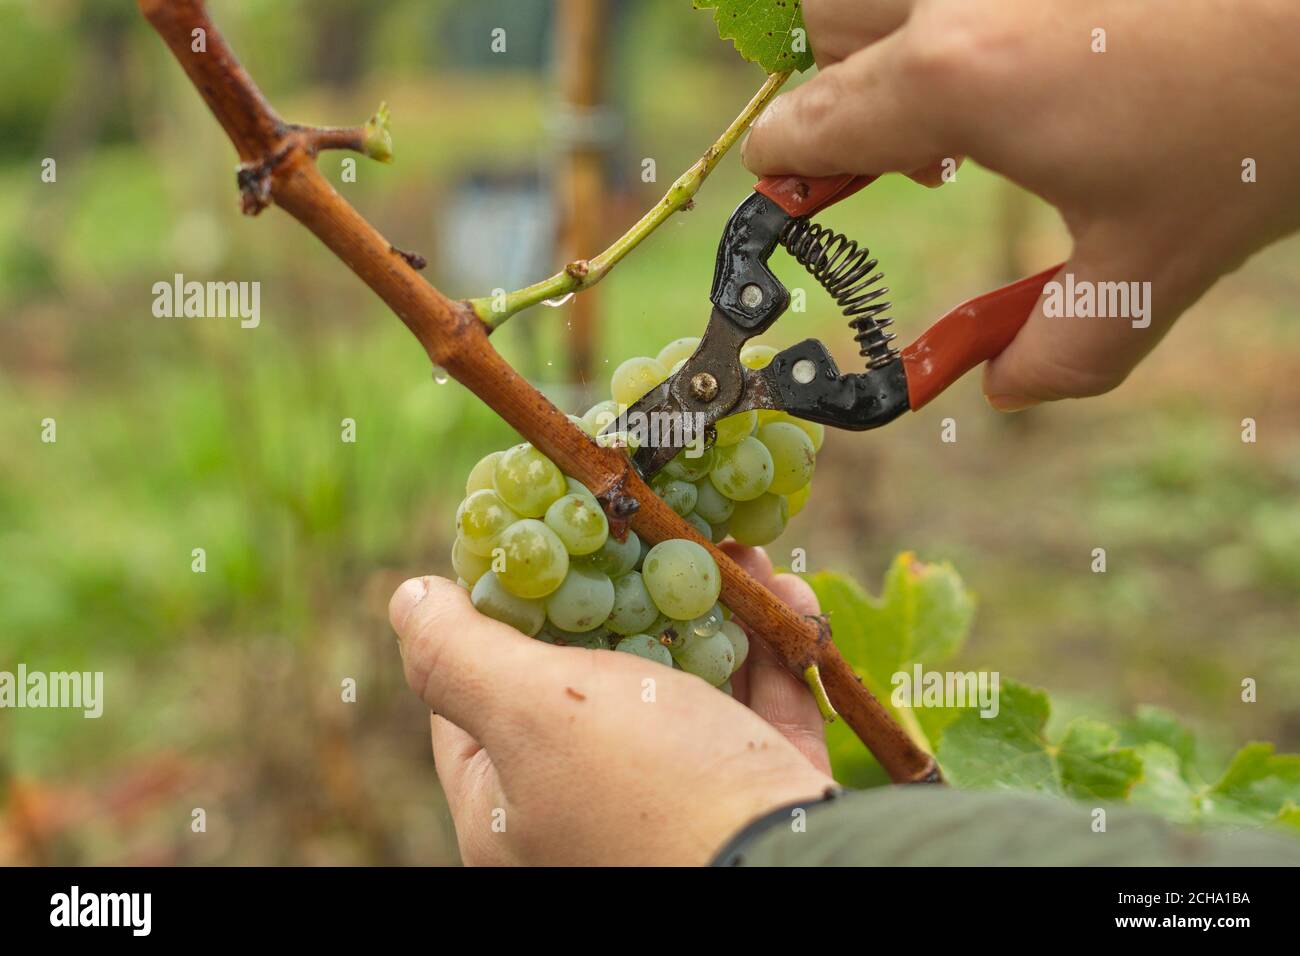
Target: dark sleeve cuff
(734, 850)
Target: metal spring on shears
(844, 269)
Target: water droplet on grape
(708, 624)
(440, 375)
(557, 302)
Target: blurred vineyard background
(223, 688)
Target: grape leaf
(767, 32)
(1259, 786)
(1092, 766)
(1157, 725)
(1011, 751)
(923, 616)
(1164, 789)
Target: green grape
(711, 658)
(797, 499)
(720, 531)
(491, 598)
(699, 524)
(527, 480)
(757, 356)
(725, 687)
(627, 440)
(480, 476)
(634, 378)
(711, 504)
(614, 557)
(461, 582)
(734, 429)
(760, 521)
(742, 472)
(579, 521)
(643, 645)
(685, 468)
(642, 551)
(481, 518)
(633, 609)
(578, 488)
(583, 424)
(678, 350)
(814, 430)
(600, 415)
(792, 453)
(466, 563)
(535, 559)
(678, 495)
(682, 578)
(739, 643)
(597, 639)
(707, 623)
(582, 601)
(666, 631)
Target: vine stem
(278, 165)
(584, 273)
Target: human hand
(1140, 147)
(560, 755)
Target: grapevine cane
(277, 164)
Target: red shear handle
(974, 332)
(806, 195)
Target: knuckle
(938, 60)
(948, 53)
(818, 15)
(818, 103)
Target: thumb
(473, 670)
(856, 116)
(1093, 325)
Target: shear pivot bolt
(751, 297)
(804, 371)
(704, 387)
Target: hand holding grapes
(1138, 121)
(563, 755)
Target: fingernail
(1011, 403)
(405, 598)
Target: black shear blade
(657, 428)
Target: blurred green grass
(179, 434)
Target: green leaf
(1092, 765)
(1289, 817)
(923, 616)
(1156, 725)
(1164, 789)
(1259, 786)
(767, 32)
(1011, 751)
(378, 137)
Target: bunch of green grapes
(534, 548)
(755, 476)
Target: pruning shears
(803, 380)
